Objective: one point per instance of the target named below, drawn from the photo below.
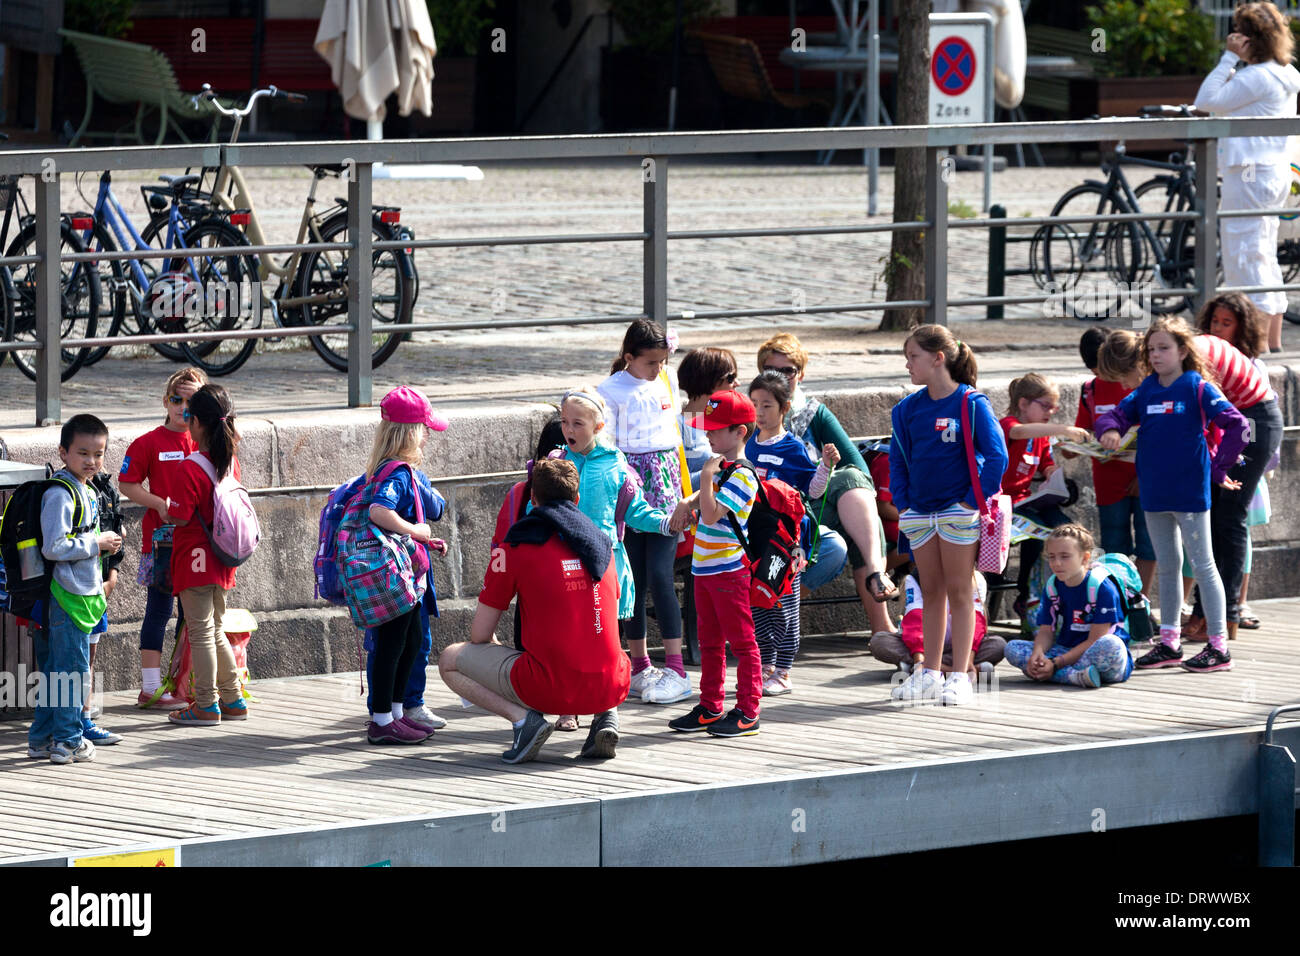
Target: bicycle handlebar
(209, 95)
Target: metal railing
(652, 152)
(1277, 796)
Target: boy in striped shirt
(721, 576)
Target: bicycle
(80, 292)
(1131, 254)
(313, 288)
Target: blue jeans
(63, 661)
(1124, 529)
(415, 683)
(832, 555)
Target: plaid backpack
(383, 574)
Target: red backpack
(771, 545)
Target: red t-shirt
(193, 563)
(1025, 458)
(879, 466)
(573, 662)
(155, 457)
(1110, 479)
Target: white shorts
(956, 524)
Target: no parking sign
(961, 68)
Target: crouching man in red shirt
(561, 567)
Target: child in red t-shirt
(199, 579)
(1122, 520)
(149, 474)
(1028, 429)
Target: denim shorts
(1124, 529)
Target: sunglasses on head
(786, 370)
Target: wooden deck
(301, 760)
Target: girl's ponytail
(962, 368)
(642, 335)
(216, 413)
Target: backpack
(1135, 610)
(109, 503)
(383, 575)
(235, 532)
(772, 544)
(27, 574)
(329, 585)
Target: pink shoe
(160, 700)
(397, 732)
(424, 732)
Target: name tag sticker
(1161, 408)
(171, 456)
(1103, 409)
(771, 459)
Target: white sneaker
(424, 718)
(61, 753)
(777, 684)
(669, 689)
(920, 688)
(905, 667)
(644, 681)
(957, 690)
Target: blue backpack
(329, 585)
(1135, 610)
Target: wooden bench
(121, 72)
(738, 67)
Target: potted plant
(637, 73)
(1146, 51)
(458, 27)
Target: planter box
(1124, 96)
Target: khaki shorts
(489, 665)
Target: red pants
(722, 602)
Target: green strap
(817, 542)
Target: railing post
(936, 236)
(360, 266)
(49, 367)
(997, 262)
(654, 179)
(1207, 222)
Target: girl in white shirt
(1254, 78)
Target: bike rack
(1277, 796)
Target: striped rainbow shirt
(717, 550)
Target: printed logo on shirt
(126, 463)
(949, 428)
(574, 579)
(171, 456)
(1078, 623)
(1164, 408)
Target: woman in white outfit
(1254, 78)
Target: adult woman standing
(1254, 78)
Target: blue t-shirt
(1173, 462)
(927, 456)
(395, 493)
(785, 459)
(1075, 620)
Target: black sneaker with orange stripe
(700, 718)
(735, 724)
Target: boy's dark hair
(776, 385)
(552, 437)
(82, 424)
(216, 413)
(703, 371)
(554, 479)
(1090, 345)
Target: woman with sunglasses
(1028, 429)
(849, 504)
(154, 459)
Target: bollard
(997, 262)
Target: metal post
(1277, 792)
(360, 266)
(49, 273)
(997, 262)
(936, 235)
(1207, 223)
(990, 111)
(654, 177)
(873, 108)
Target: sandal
(1248, 620)
(567, 722)
(881, 588)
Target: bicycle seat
(322, 168)
(179, 184)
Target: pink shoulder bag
(995, 513)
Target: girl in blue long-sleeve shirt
(938, 508)
(1174, 405)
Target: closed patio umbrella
(377, 47)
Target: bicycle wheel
(210, 293)
(1180, 271)
(155, 234)
(323, 276)
(79, 295)
(1077, 258)
(112, 288)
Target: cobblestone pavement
(514, 282)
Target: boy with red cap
(721, 575)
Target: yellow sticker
(168, 856)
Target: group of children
(167, 472)
(666, 478)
